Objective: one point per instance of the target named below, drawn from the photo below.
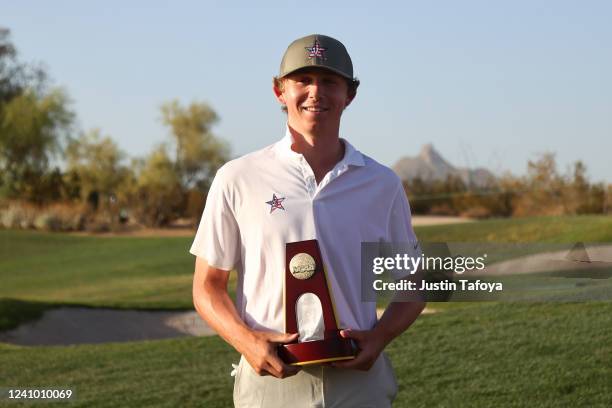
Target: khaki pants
(317, 386)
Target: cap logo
(316, 50)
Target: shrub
(18, 215)
(477, 212)
(61, 217)
(442, 209)
(47, 221)
(99, 222)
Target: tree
(198, 153)
(607, 200)
(96, 163)
(15, 76)
(34, 121)
(577, 194)
(158, 194)
(32, 129)
(8, 85)
(543, 189)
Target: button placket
(309, 177)
(334, 173)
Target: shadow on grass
(14, 312)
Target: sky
(488, 83)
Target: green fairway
(546, 355)
(115, 272)
(156, 272)
(477, 354)
(566, 229)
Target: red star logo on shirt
(276, 203)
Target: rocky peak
(429, 165)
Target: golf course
(462, 355)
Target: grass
(472, 354)
(569, 229)
(166, 373)
(129, 272)
(14, 312)
(544, 355)
(114, 272)
(43, 270)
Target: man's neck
(321, 151)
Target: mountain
(429, 165)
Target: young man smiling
(310, 185)
(314, 99)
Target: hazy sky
(489, 83)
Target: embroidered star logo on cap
(316, 50)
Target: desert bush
(47, 221)
(61, 217)
(607, 200)
(477, 212)
(194, 205)
(17, 215)
(542, 189)
(98, 223)
(156, 197)
(442, 209)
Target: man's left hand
(370, 345)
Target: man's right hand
(212, 301)
(260, 353)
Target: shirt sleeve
(399, 231)
(218, 237)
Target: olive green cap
(317, 50)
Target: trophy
(309, 310)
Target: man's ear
(279, 94)
(349, 100)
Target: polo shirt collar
(352, 156)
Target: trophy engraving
(302, 266)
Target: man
(309, 185)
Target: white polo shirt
(259, 202)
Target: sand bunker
(587, 257)
(70, 325)
(67, 325)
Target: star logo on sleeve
(276, 203)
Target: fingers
(273, 370)
(282, 338)
(281, 370)
(266, 360)
(365, 356)
(361, 362)
(356, 362)
(357, 335)
(286, 371)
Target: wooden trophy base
(317, 351)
